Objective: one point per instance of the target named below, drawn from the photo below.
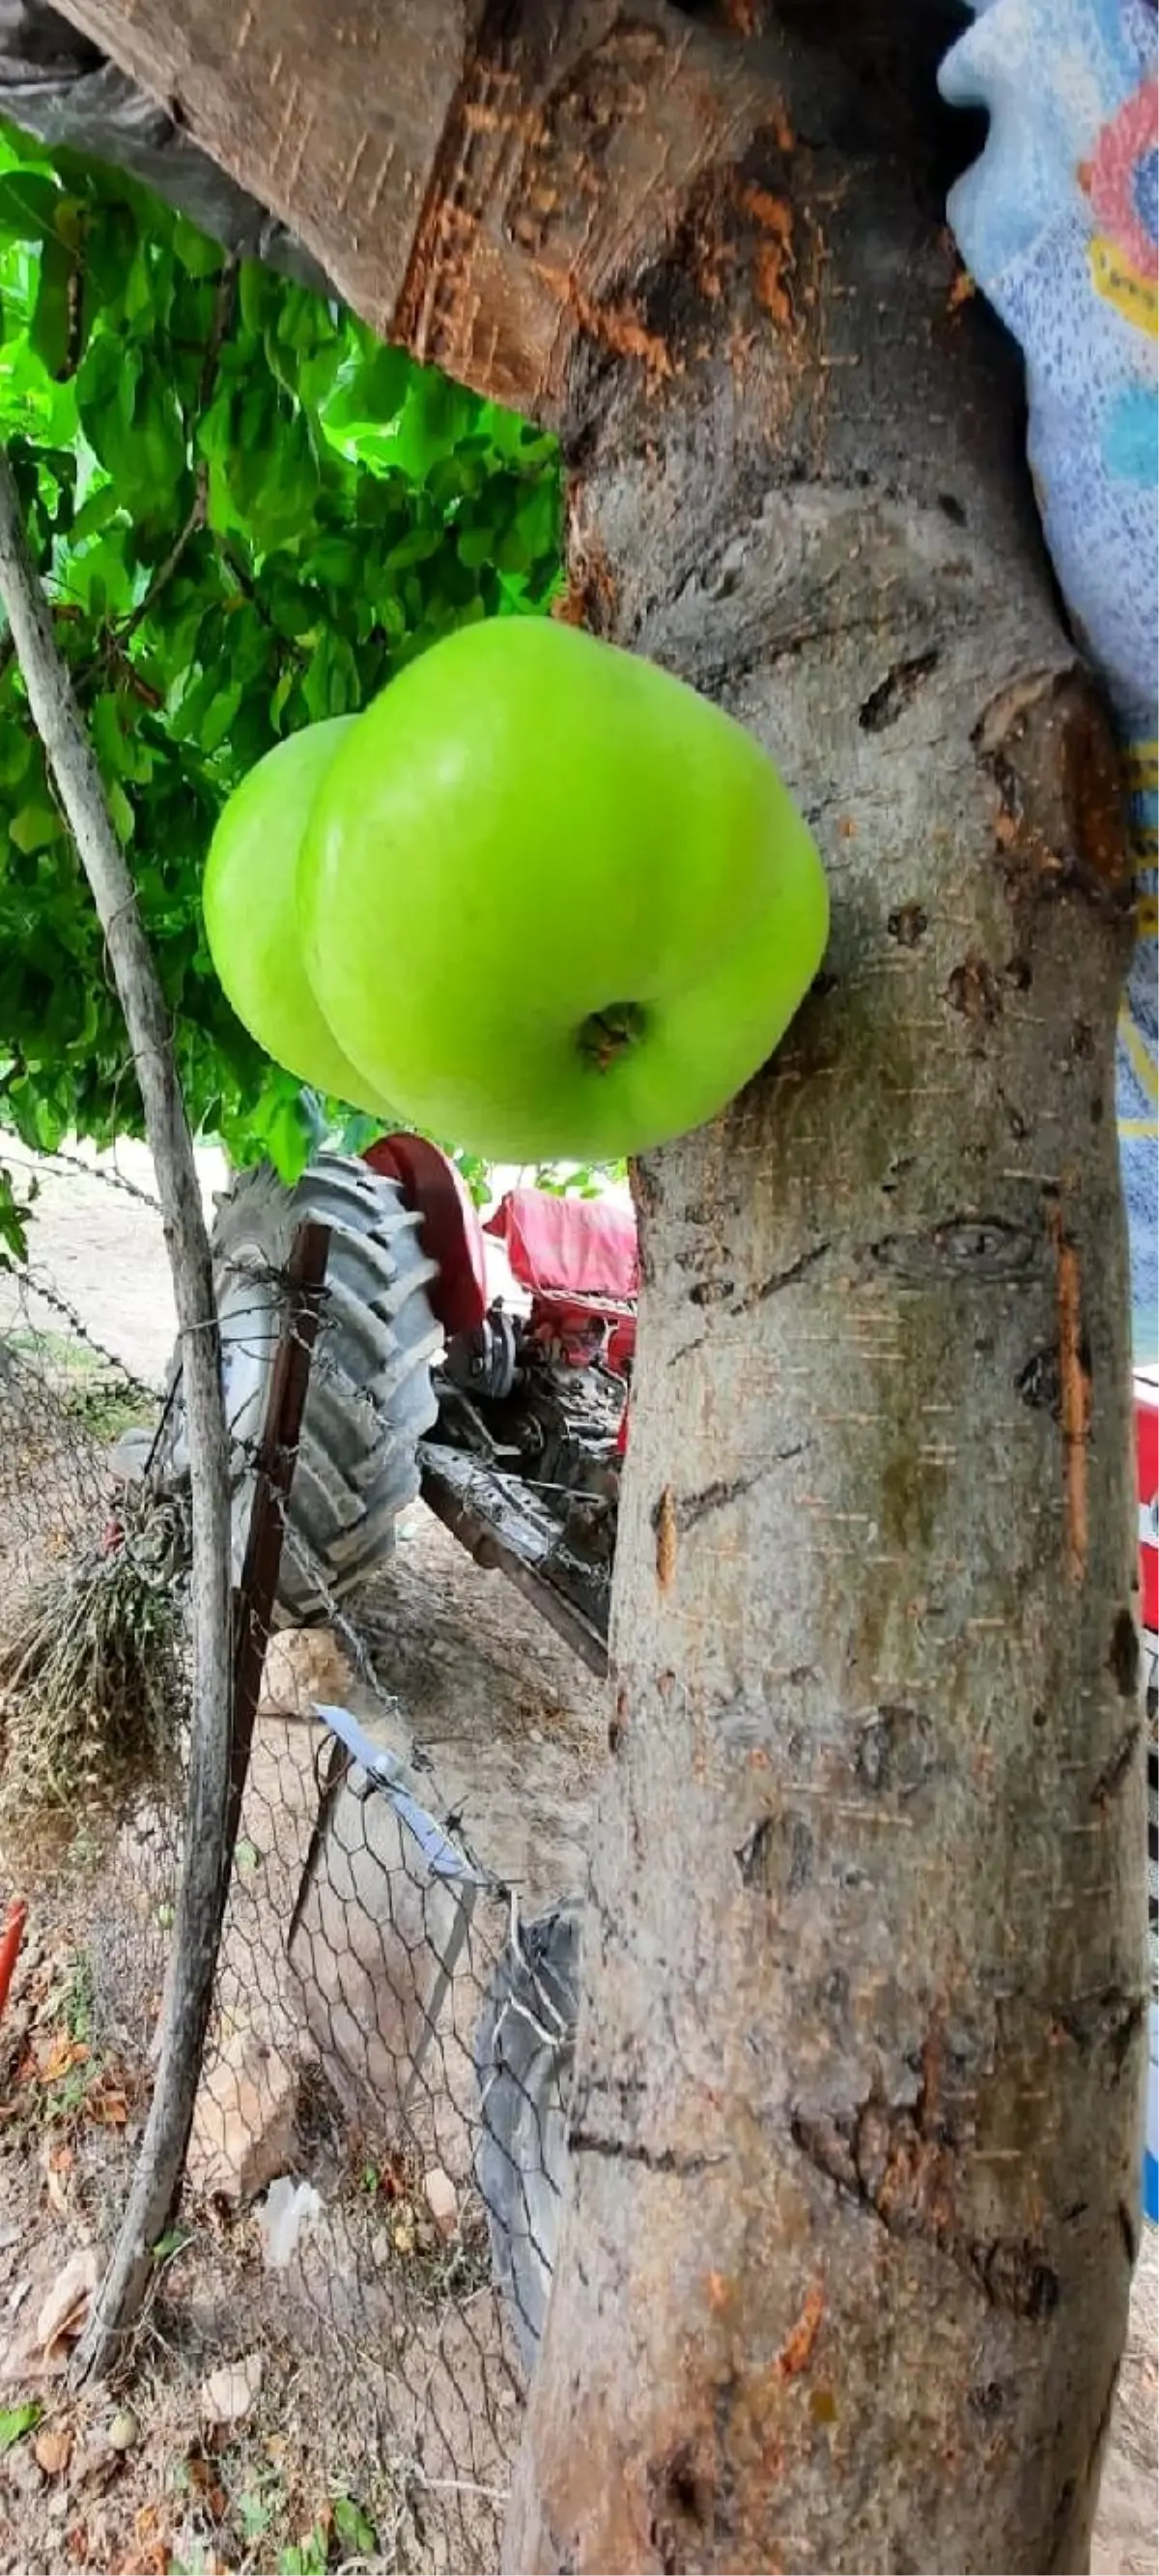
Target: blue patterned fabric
(1057, 224)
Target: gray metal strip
(385, 1770)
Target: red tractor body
(1147, 1454)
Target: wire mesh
(375, 2175)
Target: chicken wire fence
(372, 2188)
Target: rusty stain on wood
(1061, 818)
(666, 1538)
(591, 597)
(773, 260)
(616, 327)
(1075, 1393)
(797, 2350)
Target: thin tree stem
(190, 1982)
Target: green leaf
(123, 817)
(95, 512)
(255, 294)
(255, 2515)
(51, 331)
(171, 2243)
(28, 204)
(101, 577)
(15, 752)
(196, 253)
(14, 1216)
(35, 827)
(16, 2421)
(353, 2527)
(359, 506)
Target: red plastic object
(580, 1259)
(1147, 1461)
(554, 1244)
(451, 1231)
(621, 1350)
(10, 1940)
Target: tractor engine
(543, 1393)
(532, 1389)
(515, 1395)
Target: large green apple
(251, 921)
(554, 903)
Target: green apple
(248, 899)
(555, 903)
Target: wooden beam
(479, 182)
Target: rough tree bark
(844, 2280)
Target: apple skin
(526, 828)
(251, 922)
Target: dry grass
(92, 1671)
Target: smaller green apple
(251, 918)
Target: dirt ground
(509, 1730)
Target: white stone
(228, 2394)
(442, 2200)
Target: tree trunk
(843, 2283)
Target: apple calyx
(606, 1035)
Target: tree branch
(187, 2002)
(475, 180)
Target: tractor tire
(524, 2058)
(370, 1398)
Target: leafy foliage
(247, 513)
(14, 1216)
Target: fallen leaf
(228, 2394)
(63, 2313)
(57, 2164)
(16, 2421)
(64, 2054)
(108, 2107)
(53, 2448)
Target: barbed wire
(34, 1283)
(110, 1174)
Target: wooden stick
(10, 1940)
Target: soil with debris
(324, 2375)
(385, 2384)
